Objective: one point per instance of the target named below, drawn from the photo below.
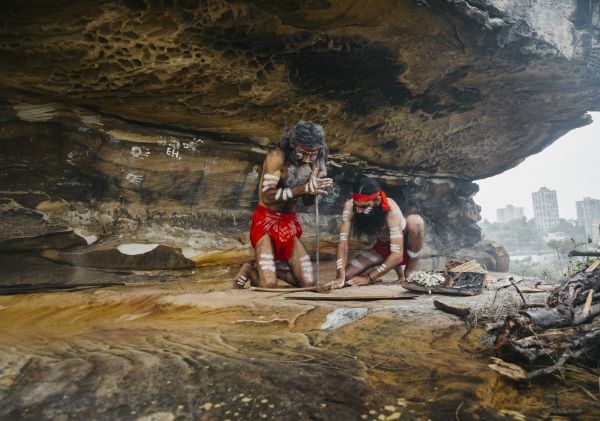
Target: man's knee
(309, 282)
(267, 283)
(354, 268)
(414, 223)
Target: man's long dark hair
(363, 224)
(308, 135)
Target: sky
(570, 165)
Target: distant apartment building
(545, 208)
(588, 215)
(509, 213)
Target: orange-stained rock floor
(194, 349)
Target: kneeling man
(398, 240)
(295, 169)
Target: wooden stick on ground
(351, 298)
(307, 289)
(457, 311)
(317, 232)
(511, 280)
(588, 303)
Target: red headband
(311, 150)
(357, 197)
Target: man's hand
(317, 185)
(359, 281)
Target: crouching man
(398, 240)
(295, 169)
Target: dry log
(566, 329)
(577, 253)
(510, 370)
(455, 310)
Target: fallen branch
(566, 329)
(558, 365)
(511, 280)
(577, 253)
(457, 311)
(457, 411)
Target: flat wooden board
(437, 290)
(363, 297)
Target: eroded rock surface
(197, 350)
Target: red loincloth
(283, 228)
(383, 249)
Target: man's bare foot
(408, 275)
(410, 267)
(242, 276)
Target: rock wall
(148, 120)
(109, 179)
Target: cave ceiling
(466, 89)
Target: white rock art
(139, 152)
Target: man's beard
(368, 224)
(297, 175)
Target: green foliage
(577, 264)
(580, 263)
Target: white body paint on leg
(266, 262)
(357, 264)
(307, 268)
(413, 254)
(374, 258)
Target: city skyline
(588, 215)
(523, 214)
(509, 213)
(569, 166)
(545, 208)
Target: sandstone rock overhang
(442, 87)
(147, 121)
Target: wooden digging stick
(317, 235)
